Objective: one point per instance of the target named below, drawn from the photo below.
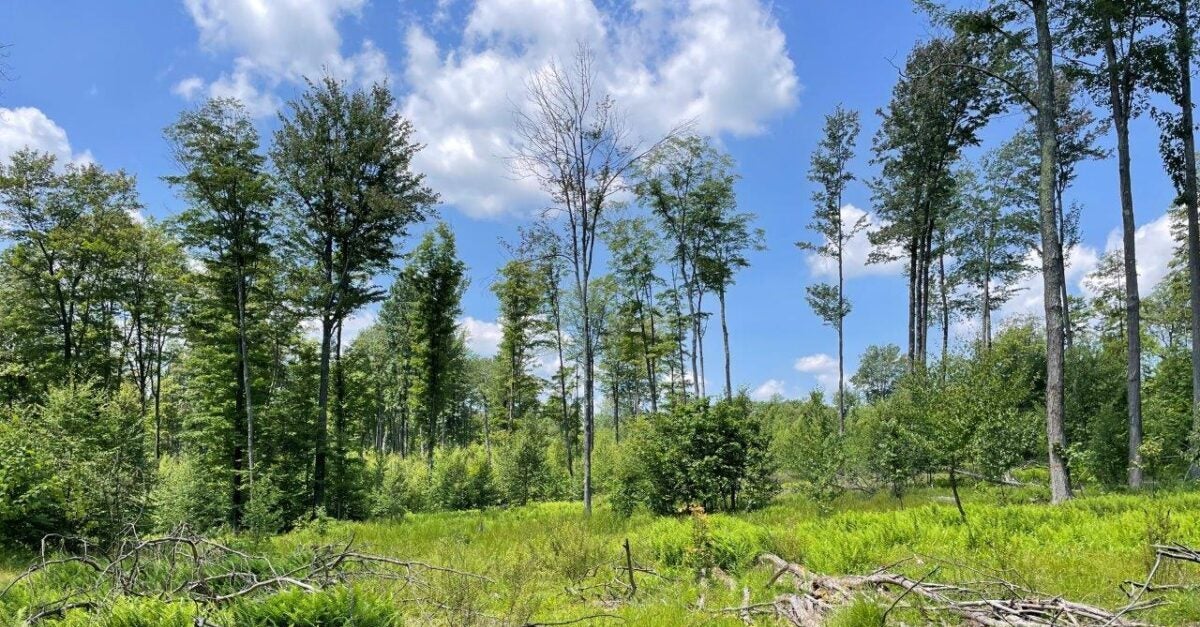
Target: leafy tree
(829, 169)
(711, 454)
(436, 279)
(879, 371)
(520, 293)
(344, 161)
(227, 225)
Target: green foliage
(808, 446)
(703, 541)
(710, 454)
(351, 607)
(403, 488)
(33, 501)
(523, 469)
(463, 479)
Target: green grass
(547, 563)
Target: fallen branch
(817, 595)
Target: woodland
(190, 434)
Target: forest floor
(545, 564)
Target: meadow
(546, 564)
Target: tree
(672, 183)
(936, 111)
(72, 236)
(1171, 73)
(879, 371)
(1114, 32)
(344, 161)
(520, 292)
(829, 170)
(727, 237)
(575, 143)
(632, 246)
(991, 240)
(227, 223)
(1019, 38)
(437, 279)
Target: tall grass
(547, 562)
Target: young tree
(344, 161)
(829, 169)
(227, 223)
(575, 143)
(437, 279)
(520, 293)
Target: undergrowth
(547, 563)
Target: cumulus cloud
(820, 366)
(274, 42)
(856, 252)
(483, 337)
(770, 389)
(1028, 299)
(721, 63)
(28, 127)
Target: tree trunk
(588, 398)
(1133, 334)
(245, 359)
(322, 442)
(1183, 58)
(725, 339)
(1060, 479)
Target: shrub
(703, 541)
(463, 479)
(32, 498)
(403, 487)
(809, 446)
(523, 471)
(713, 455)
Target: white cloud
(1028, 297)
(722, 63)
(770, 389)
(188, 88)
(856, 252)
(28, 127)
(820, 366)
(1155, 247)
(274, 42)
(483, 337)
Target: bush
(808, 445)
(403, 487)
(523, 471)
(32, 498)
(463, 479)
(713, 455)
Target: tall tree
(829, 170)
(671, 184)
(936, 112)
(227, 223)
(519, 291)
(437, 279)
(1113, 35)
(344, 161)
(574, 142)
(1172, 74)
(727, 237)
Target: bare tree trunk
(725, 339)
(1133, 334)
(1183, 58)
(322, 442)
(1060, 479)
(243, 354)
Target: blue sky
(100, 81)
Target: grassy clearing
(548, 564)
